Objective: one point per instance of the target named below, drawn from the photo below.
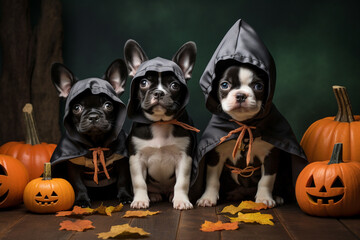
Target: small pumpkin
(319, 138)
(48, 195)
(13, 179)
(330, 188)
(31, 152)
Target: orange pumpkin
(13, 179)
(330, 188)
(48, 195)
(31, 153)
(319, 138)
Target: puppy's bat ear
(134, 56)
(185, 57)
(116, 75)
(62, 78)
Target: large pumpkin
(13, 179)
(319, 138)
(48, 195)
(31, 152)
(330, 188)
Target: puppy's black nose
(158, 94)
(94, 117)
(240, 97)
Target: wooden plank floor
(290, 223)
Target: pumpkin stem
(31, 133)
(344, 107)
(47, 171)
(337, 154)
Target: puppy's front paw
(124, 196)
(138, 204)
(207, 201)
(182, 204)
(268, 201)
(82, 203)
(279, 200)
(155, 197)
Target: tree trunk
(27, 55)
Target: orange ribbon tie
(181, 124)
(242, 131)
(99, 152)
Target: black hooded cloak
(74, 147)
(134, 110)
(242, 46)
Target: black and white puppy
(241, 93)
(160, 154)
(93, 146)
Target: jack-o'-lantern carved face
(4, 190)
(321, 192)
(330, 188)
(46, 198)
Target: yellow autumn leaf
(108, 210)
(264, 219)
(139, 213)
(249, 205)
(124, 230)
(218, 226)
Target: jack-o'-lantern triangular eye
(3, 170)
(38, 195)
(54, 194)
(337, 183)
(310, 183)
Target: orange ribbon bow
(242, 129)
(99, 152)
(181, 124)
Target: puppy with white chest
(248, 147)
(162, 140)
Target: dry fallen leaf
(78, 225)
(108, 210)
(139, 213)
(76, 211)
(250, 205)
(211, 227)
(253, 217)
(124, 230)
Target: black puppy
(161, 142)
(93, 146)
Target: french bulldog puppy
(248, 149)
(93, 146)
(161, 141)
(241, 93)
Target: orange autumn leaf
(264, 219)
(139, 213)
(78, 225)
(211, 227)
(124, 231)
(249, 205)
(76, 211)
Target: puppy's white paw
(140, 204)
(182, 204)
(268, 201)
(206, 201)
(155, 197)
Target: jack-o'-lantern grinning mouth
(4, 196)
(325, 200)
(46, 202)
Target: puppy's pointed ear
(134, 56)
(116, 75)
(185, 57)
(62, 78)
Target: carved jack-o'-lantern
(13, 179)
(330, 188)
(48, 195)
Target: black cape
(159, 64)
(241, 45)
(73, 145)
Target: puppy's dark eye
(258, 86)
(77, 109)
(224, 85)
(174, 86)
(108, 106)
(144, 83)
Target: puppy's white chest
(161, 153)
